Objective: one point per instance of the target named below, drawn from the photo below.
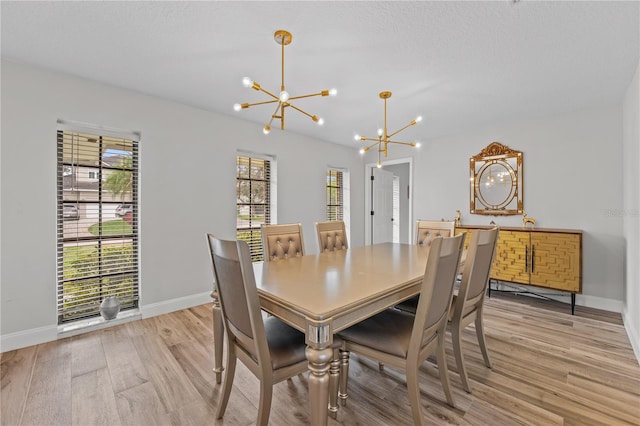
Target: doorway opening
(386, 210)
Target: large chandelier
(283, 99)
(384, 138)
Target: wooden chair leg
(413, 392)
(218, 338)
(457, 351)
(481, 340)
(264, 407)
(441, 358)
(228, 382)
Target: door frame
(367, 195)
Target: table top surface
(323, 285)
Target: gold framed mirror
(496, 181)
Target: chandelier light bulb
(418, 144)
(362, 151)
(379, 132)
(418, 119)
(333, 91)
(320, 121)
(266, 129)
(284, 96)
(379, 165)
(247, 82)
(237, 107)
(356, 137)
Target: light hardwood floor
(550, 368)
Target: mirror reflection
(496, 181)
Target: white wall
(572, 179)
(187, 188)
(631, 211)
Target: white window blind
(335, 189)
(253, 201)
(97, 223)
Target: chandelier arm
(273, 115)
(372, 145)
(263, 103)
(398, 131)
(401, 143)
(305, 96)
(364, 138)
(269, 93)
(298, 109)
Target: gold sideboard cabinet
(548, 258)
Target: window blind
(97, 223)
(253, 201)
(335, 207)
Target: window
(253, 201)
(97, 250)
(335, 197)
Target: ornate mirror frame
(496, 181)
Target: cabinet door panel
(510, 263)
(556, 260)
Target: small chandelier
(283, 100)
(383, 139)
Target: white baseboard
(164, 307)
(610, 305)
(36, 336)
(22, 339)
(595, 302)
(632, 332)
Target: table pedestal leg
(344, 376)
(218, 337)
(319, 362)
(334, 378)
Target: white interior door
(382, 202)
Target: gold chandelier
(383, 139)
(283, 100)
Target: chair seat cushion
(409, 305)
(286, 344)
(388, 332)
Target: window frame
(104, 263)
(339, 189)
(255, 234)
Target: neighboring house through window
(335, 195)
(97, 250)
(253, 200)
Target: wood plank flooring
(550, 368)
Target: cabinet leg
(573, 303)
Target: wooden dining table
(325, 293)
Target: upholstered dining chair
(282, 241)
(331, 236)
(405, 341)
(467, 304)
(272, 350)
(426, 231)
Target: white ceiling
(459, 64)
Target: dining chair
(282, 241)
(467, 304)
(405, 341)
(272, 350)
(331, 236)
(426, 231)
